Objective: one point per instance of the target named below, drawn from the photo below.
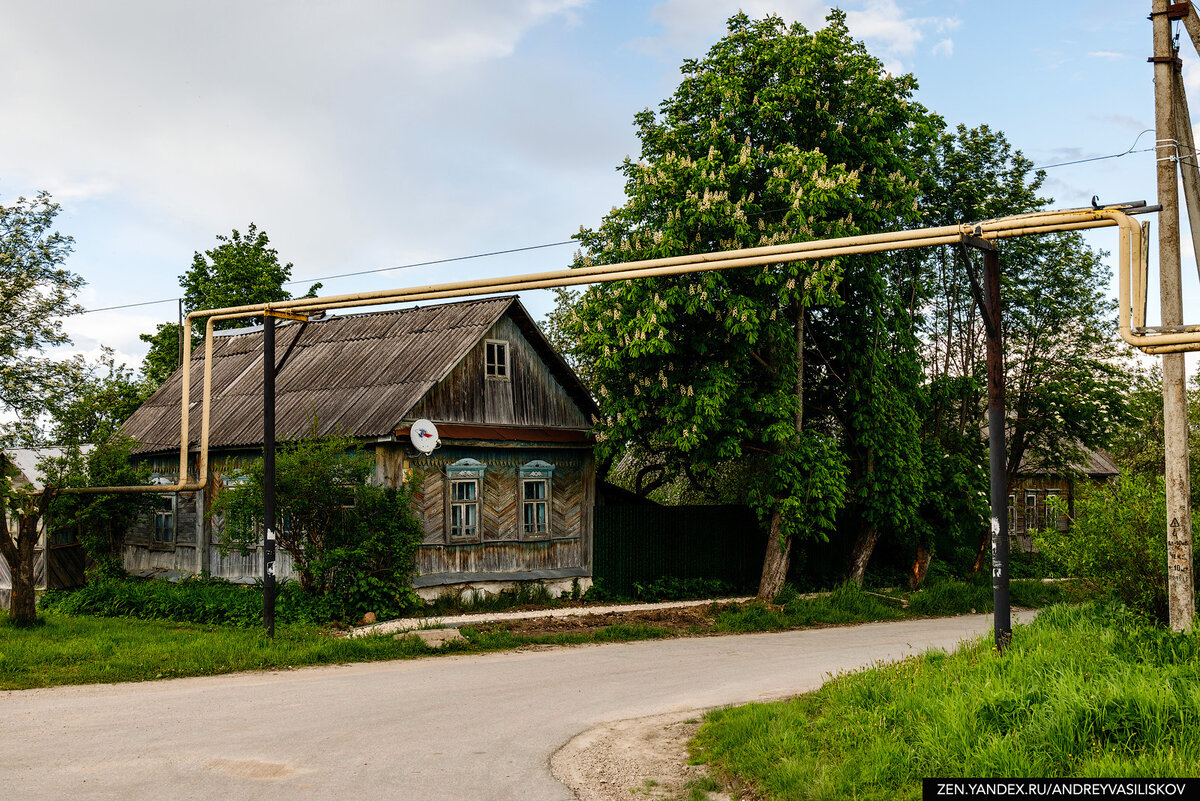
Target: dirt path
(643, 758)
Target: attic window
(496, 359)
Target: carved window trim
(537, 477)
(464, 502)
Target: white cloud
(689, 26)
(1110, 55)
(944, 48)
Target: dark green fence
(638, 544)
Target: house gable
(530, 393)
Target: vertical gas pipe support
(1002, 617)
(269, 474)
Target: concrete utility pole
(1180, 596)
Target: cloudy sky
(377, 133)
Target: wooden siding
(498, 558)
(531, 397)
(572, 495)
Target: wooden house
(1031, 489)
(59, 559)
(507, 496)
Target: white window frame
(466, 508)
(496, 362)
(528, 530)
(1031, 511)
(461, 473)
(531, 473)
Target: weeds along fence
(638, 544)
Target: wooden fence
(638, 544)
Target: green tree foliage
(1117, 542)
(37, 292)
(241, 270)
(1139, 444)
(1065, 376)
(350, 540)
(777, 135)
(101, 397)
(99, 522)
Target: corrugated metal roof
(357, 375)
(26, 460)
(1097, 464)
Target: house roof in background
(1097, 464)
(26, 460)
(359, 375)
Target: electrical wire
(1102, 158)
(359, 272)
(559, 244)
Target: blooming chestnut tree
(777, 135)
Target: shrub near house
(352, 542)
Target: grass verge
(94, 643)
(1087, 691)
(87, 650)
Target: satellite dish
(424, 436)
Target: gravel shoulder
(640, 758)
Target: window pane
(535, 490)
(541, 516)
(462, 491)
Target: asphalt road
(463, 727)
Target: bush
(669, 588)
(192, 600)
(371, 564)
(1117, 542)
(98, 522)
(353, 544)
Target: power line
(566, 242)
(1102, 158)
(360, 272)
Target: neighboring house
(58, 563)
(1031, 488)
(507, 497)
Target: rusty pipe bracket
(1176, 60)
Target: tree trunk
(779, 547)
(24, 599)
(985, 542)
(864, 546)
(920, 566)
(776, 562)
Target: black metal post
(269, 475)
(1002, 615)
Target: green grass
(94, 643)
(1082, 692)
(846, 604)
(87, 650)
